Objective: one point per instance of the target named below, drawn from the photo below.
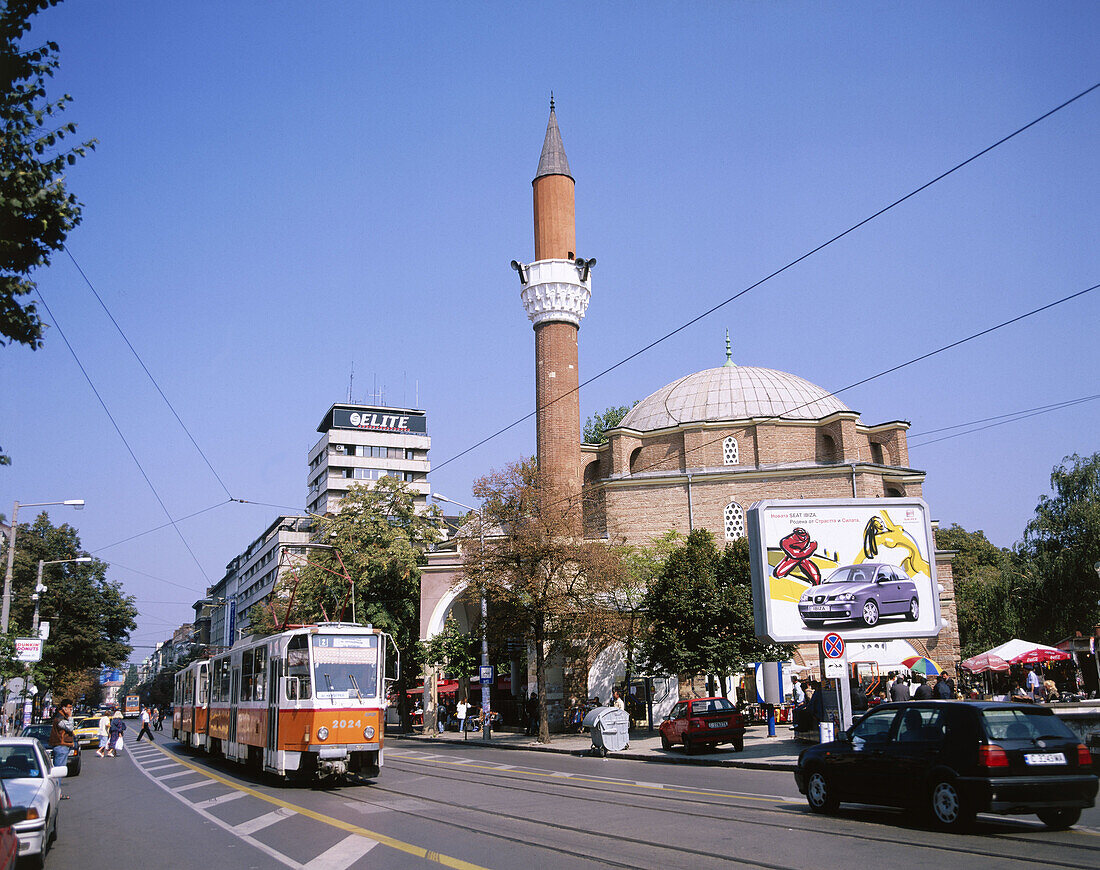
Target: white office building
(363, 443)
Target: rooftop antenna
(417, 382)
(351, 381)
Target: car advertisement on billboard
(864, 568)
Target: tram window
(297, 666)
(188, 687)
(223, 679)
(259, 673)
(203, 686)
(246, 676)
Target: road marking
(264, 821)
(343, 854)
(162, 766)
(191, 785)
(399, 845)
(220, 799)
(174, 775)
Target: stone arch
(826, 448)
(443, 607)
(634, 454)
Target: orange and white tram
(306, 703)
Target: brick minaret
(556, 289)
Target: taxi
(87, 731)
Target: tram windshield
(345, 666)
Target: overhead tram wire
(118, 429)
(1013, 418)
(148, 373)
(162, 526)
(774, 274)
(1054, 406)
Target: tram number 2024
(347, 723)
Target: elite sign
(865, 568)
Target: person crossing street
(146, 718)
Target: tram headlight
(368, 732)
(322, 733)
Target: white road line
(174, 775)
(220, 799)
(162, 766)
(343, 854)
(504, 767)
(192, 785)
(264, 821)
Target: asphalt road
(468, 806)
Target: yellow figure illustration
(886, 533)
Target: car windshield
(851, 574)
(92, 722)
(19, 762)
(1024, 725)
(345, 666)
(712, 705)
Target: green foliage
(700, 611)
(90, 617)
(36, 210)
(596, 425)
(456, 653)
(1060, 547)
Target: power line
(776, 273)
(1001, 420)
(125, 443)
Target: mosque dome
(732, 392)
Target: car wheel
(689, 747)
(819, 793)
(949, 810)
(914, 611)
(738, 744)
(664, 742)
(1060, 819)
(870, 613)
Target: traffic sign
(486, 674)
(833, 646)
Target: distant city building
(363, 443)
(249, 578)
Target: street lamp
(77, 503)
(39, 588)
(486, 731)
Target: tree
(381, 539)
(990, 589)
(90, 617)
(1061, 545)
(596, 425)
(700, 611)
(37, 212)
(541, 583)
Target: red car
(9, 842)
(703, 722)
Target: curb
(648, 757)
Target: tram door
(234, 699)
(275, 673)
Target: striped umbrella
(921, 665)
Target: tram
(307, 703)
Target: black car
(40, 731)
(954, 759)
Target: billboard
(864, 568)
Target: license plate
(818, 608)
(1045, 758)
(721, 724)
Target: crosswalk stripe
(220, 799)
(192, 785)
(264, 821)
(343, 854)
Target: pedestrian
(532, 711)
(798, 696)
(157, 717)
(61, 734)
(460, 712)
(944, 689)
(146, 718)
(114, 736)
(1034, 684)
(924, 691)
(900, 690)
(859, 696)
(617, 700)
(102, 732)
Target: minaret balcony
(556, 290)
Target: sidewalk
(760, 753)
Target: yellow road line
(400, 845)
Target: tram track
(596, 790)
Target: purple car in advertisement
(860, 593)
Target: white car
(31, 781)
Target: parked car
(9, 840)
(703, 722)
(40, 731)
(32, 782)
(954, 759)
(87, 731)
(860, 593)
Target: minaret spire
(553, 160)
(729, 353)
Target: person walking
(900, 690)
(532, 711)
(944, 689)
(146, 718)
(102, 732)
(156, 717)
(114, 736)
(61, 734)
(924, 691)
(460, 714)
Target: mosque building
(696, 453)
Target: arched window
(826, 448)
(877, 455)
(729, 451)
(634, 454)
(735, 521)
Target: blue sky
(283, 192)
